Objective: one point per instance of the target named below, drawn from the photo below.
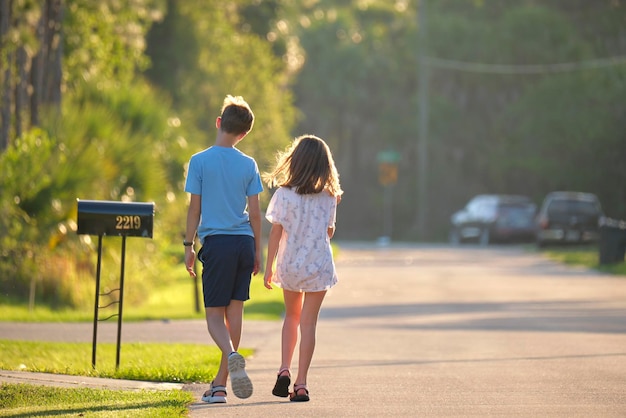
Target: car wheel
(484, 238)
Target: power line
(477, 67)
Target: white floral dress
(304, 262)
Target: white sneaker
(239, 380)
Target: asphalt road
(432, 331)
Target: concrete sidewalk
(434, 331)
(59, 380)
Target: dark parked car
(491, 218)
(568, 218)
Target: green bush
(105, 144)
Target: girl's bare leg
(308, 324)
(293, 309)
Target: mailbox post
(104, 217)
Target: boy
(221, 180)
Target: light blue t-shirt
(224, 178)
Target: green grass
(586, 256)
(20, 400)
(174, 300)
(155, 362)
(177, 363)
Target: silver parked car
(494, 218)
(568, 218)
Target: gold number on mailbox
(127, 222)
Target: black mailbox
(104, 217)
(125, 219)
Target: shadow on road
(548, 316)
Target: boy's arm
(254, 211)
(193, 220)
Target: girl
(302, 212)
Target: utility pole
(422, 140)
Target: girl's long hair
(307, 166)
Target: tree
(31, 62)
(362, 94)
(111, 137)
(5, 104)
(47, 46)
(199, 57)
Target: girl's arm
(331, 229)
(272, 248)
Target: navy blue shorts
(227, 265)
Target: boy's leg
(225, 325)
(244, 249)
(228, 263)
(221, 277)
(236, 364)
(308, 324)
(234, 322)
(218, 329)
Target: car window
(488, 209)
(516, 214)
(585, 207)
(474, 205)
(562, 206)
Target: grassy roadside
(175, 299)
(155, 362)
(178, 363)
(586, 256)
(39, 401)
